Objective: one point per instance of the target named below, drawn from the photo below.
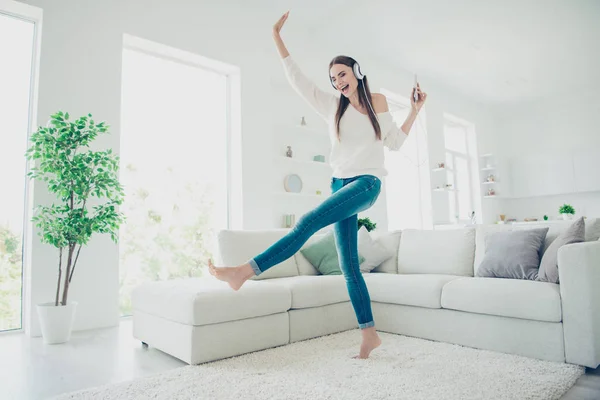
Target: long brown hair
(344, 102)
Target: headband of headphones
(357, 73)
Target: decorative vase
(289, 220)
(56, 321)
(567, 217)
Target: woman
(360, 125)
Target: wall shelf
(303, 162)
(300, 195)
(306, 141)
(303, 129)
(488, 168)
(488, 183)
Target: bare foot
(234, 276)
(371, 341)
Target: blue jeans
(349, 197)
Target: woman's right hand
(279, 24)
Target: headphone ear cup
(356, 68)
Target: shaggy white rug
(323, 368)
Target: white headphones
(356, 69)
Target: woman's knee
(305, 225)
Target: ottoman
(202, 319)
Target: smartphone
(415, 94)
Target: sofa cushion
(514, 255)
(323, 255)
(481, 232)
(448, 252)
(374, 252)
(314, 291)
(514, 298)
(207, 300)
(422, 290)
(549, 264)
(304, 266)
(592, 229)
(391, 241)
(237, 247)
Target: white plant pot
(56, 321)
(567, 216)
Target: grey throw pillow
(513, 254)
(549, 265)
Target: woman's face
(343, 79)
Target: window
(175, 152)
(18, 81)
(461, 164)
(407, 185)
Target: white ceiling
(494, 51)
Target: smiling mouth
(345, 89)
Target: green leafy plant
(75, 175)
(367, 223)
(566, 209)
(545, 218)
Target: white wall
(560, 129)
(80, 73)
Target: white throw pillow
(373, 252)
(448, 252)
(391, 241)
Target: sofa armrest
(579, 277)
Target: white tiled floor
(31, 370)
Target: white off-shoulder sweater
(358, 152)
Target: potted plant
(74, 174)
(367, 223)
(567, 211)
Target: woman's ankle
(371, 331)
(247, 270)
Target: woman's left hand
(422, 97)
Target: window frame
(34, 15)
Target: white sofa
(427, 290)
